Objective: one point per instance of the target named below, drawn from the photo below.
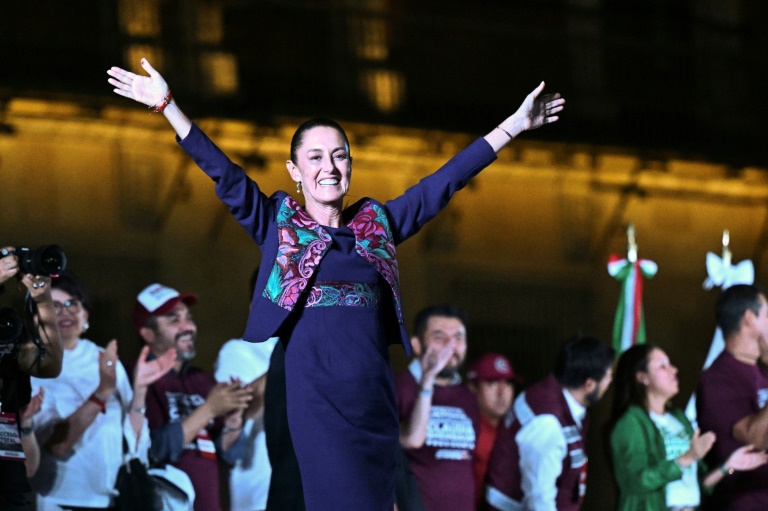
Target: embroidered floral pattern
(375, 244)
(303, 243)
(347, 294)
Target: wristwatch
(725, 470)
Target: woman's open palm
(150, 90)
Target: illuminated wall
(523, 248)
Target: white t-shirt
(249, 479)
(86, 476)
(685, 491)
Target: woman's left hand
(538, 110)
(107, 371)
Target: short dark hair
(443, 311)
(581, 358)
(627, 390)
(151, 322)
(316, 122)
(733, 303)
(70, 283)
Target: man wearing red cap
(182, 405)
(490, 378)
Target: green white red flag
(629, 323)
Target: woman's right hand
(107, 371)
(150, 90)
(700, 445)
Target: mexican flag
(629, 323)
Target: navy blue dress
(339, 384)
(337, 367)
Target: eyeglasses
(72, 306)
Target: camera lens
(10, 325)
(46, 260)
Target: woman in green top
(654, 449)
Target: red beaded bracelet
(158, 109)
(99, 402)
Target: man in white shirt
(539, 461)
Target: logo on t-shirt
(450, 427)
(762, 397)
(180, 405)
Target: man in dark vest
(539, 461)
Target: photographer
(39, 355)
(33, 361)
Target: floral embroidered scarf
(304, 242)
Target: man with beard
(439, 417)
(539, 460)
(185, 427)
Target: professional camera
(45, 261)
(10, 326)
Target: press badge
(10, 442)
(205, 445)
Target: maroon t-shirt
(729, 391)
(443, 466)
(171, 399)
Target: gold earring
(298, 186)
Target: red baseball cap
(492, 366)
(157, 300)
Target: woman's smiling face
(324, 166)
(70, 315)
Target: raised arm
(423, 201)
(42, 359)
(413, 433)
(536, 111)
(145, 374)
(152, 91)
(249, 206)
(70, 430)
